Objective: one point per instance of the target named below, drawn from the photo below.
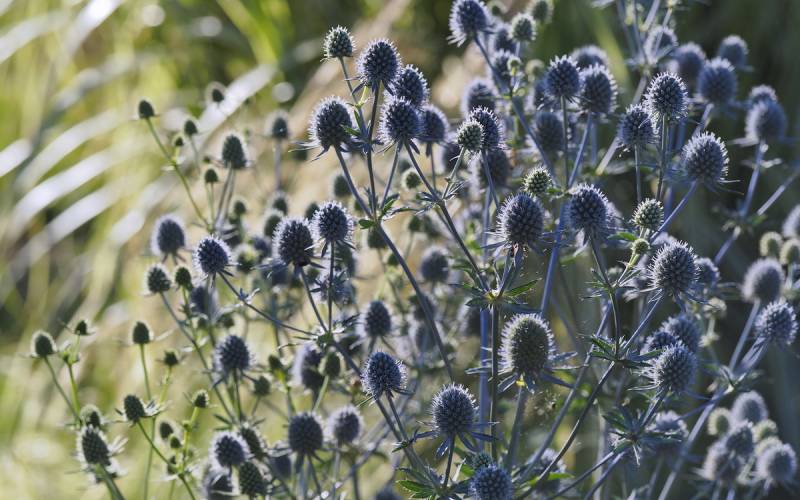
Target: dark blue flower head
(232, 355)
(435, 127)
(659, 340)
(503, 62)
(588, 210)
(763, 281)
(749, 407)
(306, 368)
(496, 161)
(501, 38)
(345, 424)
(492, 483)
(673, 270)
(233, 152)
(329, 123)
(527, 345)
(293, 241)
(636, 128)
(400, 121)
(717, 82)
(673, 370)
(211, 256)
(599, 93)
(589, 55)
(378, 64)
(377, 320)
(435, 265)
(493, 132)
(521, 221)
(332, 223)
(766, 122)
(689, 60)
(468, 19)
(705, 159)
(660, 41)
(666, 98)
(549, 131)
(411, 85)
(453, 410)
(479, 93)
(168, 236)
(228, 450)
(338, 43)
(563, 78)
(761, 93)
(382, 374)
(777, 465)
(252, 482)
(734, 49)
(523, 28)
(777, 323)
(684, 328)
(305, 434)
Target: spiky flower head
(479, 93)
(232, 355)
(228, 449)
(689, 60)
(527, 345)
(435, 265)
(673, 370)
(719, 422)
(588, 210)
(599, 92)
(211, 256)
(563, 78)
(739, 440)
(790, 252)
(252, 482)
(435, 127)
(720, 465)
(501, 39)
(411, 85)
(589, 55)
(377, 321)
(673, 270)
(548, 129)
(93, 447)
(763, 281)
(707, 272)
(293, 241)
(168, 236)
(523, 28)
(764, 430)
(453, 410)
(761, 93)
(329, 123)
(233, 152)
(660, 41)
(382, 374)
(378, 63)
(521, 220)
(133, 408)
(141, 334)
(649, 214)
(338, 43)
(734, 49)
(636, 127)
(331, 223)
(659, 340)
(537, 182)
(777, 323)
(492, 483)
(201, 399)
(666, 98)
(277, 125)
(705, 159)
(305, 434)
(777, 465)
(400, 121)
(749, 407)
(345, 424)
(717, 82)
(468, 19)
(493, 132)
(766, 122)
(505, 64)
(157, 280)
(43, 345)
(470, 136)
(685, 329)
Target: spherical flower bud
(83, 328)
(777, 323)
(228, 449)
(492, 483)
(400, 121)
(707, 272)
(382, 374)
(523, 28)
(791, 225)
(479, 93)
(157, 280)
(770, 244)
(232, 355)
(140, 334)
(761, 93)
(329, 123)
(233, 153)
(720, 465)
(210, 176)
(201, 399)
(305, 434)
(345, 424)
(599, 92)
(739, 440)
(521, 220)
(211, 256)
(690, 60)
(277, 125)
(537, 182)
(635, 127)
(766, 122)
(717, 82)
(252, 482)
(763, 281)
(293, 241)
(673, 370)
(502, 38)
(666, 97)
(527, 345)
(719, 422)
(640, 246)
(468, 18)
(563, 78)
(133, 408)
(453, 410)
(749, 407)
(790, 252)
(338, 43)
(168, 236)
(660, 41)
(733, 49)
(43, 345)
(411, 85)
(673, 270)
(588, 210)
(777, 465)
(331, 223)
(435, 127)
(589, 55)
(215, 93)
(434, 266)
(262, 387)
(145, 110)
(378, 64)
(470, 136)
(548, 129)
(659, 340)
(492, 128)
(92, 446)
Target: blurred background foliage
(81, 180)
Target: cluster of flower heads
(317, 366)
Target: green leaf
(366, 223)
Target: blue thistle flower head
(673, 270)
(720, 465)
(435, 127)
(739, 440)
(636, 127)
(377, 320)
(468, 19)
(791, 224)
(277, 125)
(93, 447)
(211, 256)
(684, 328)
(493, 131)
(411, 85)
(502, 39)
(589, 55)
(453, 411)
(659, 340)
(527, 345)
(761, 93)
(378, 64)
(707, 272)
(305, 434)
(338, 43)
(763, 281)
(673, 370)
(492, 483)
(168, 237)
(588, 210)
(332, 223)
(521, 220)
(469, 136)
(252, 482)
(523, 28)
(599, 93)
(666, 98)
(382, 374)
(717, 82)
(345, 424)
(563, 78)
(689, 60)
(548, 129)
(434, 265)
(329, 123)
(233, 152)
(293, 241)
(777, 323)
(749, 407)
(232, 355)
(479, 93)
(766, 122)
(660, 42)
(400, 121)
(228, 450)
(734, 49)
(705, 159)
(777, 465)
(497, 163)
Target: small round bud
(411, 85)
(83, 328)
(548, 129)
(374, 240)
(168, 236)
(719, 422)
(183, 277)
(306, 368)
(537, 182)
(479, 93)
(262, 387)
(145, 110)
(228, 449)
(588, 210)
(635, 127)
(468, 18)
(339, 187)
(133, 408)
(277, 125)
(521, 220)
(717, 82)
(305, 434)
(329, 123)
(705, 158)
(200, 399)
(233, 154)
(563, 78)
(345, 424)
(215, 93)
(43, 345)
(411, 180)
(492, 483)
(190, 128)
(766, 122)
(470, 136)
(673, 270)
(527, 345)
(763, 281)
(770, 244)
(453, 410)
(666, 98)
(400, 121)
(331, 365)
(734, 50)
(293, 241)
(171, 358)
(378, 64)
(640, 246)
(211, 256)
(382, 374)
(338, 43)
(157, 280)
(673, 371)
(777, 323)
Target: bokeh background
(81, 181)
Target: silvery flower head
(599, 92)
(717, 82)
(293, 241)
(749, 407)
(332, 223)
(666, 98)
(763, 281)
(705, 159)
(400, 121)
(338, 43)
(766, 122)
(521, 221)
(479, 93)
(378, 64)
(689, 60)
(673, 270)
(588, 210)
(660, 42)
(589, 55)
(211, 256)
(734, 49)
(228, 450)
(493, 131)
(777, 323)
(382, 374)
(635, 127)
(563, 78)
(329, 124)
(673, 370)
(411, 85)
(468, 19)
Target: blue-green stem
(75, 413)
